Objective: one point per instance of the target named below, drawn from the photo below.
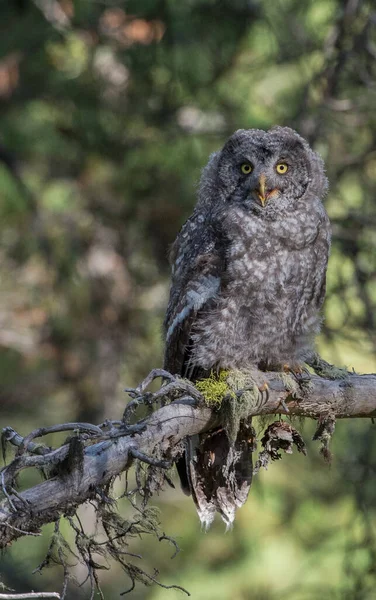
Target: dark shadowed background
(108, 111)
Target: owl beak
(261, 189)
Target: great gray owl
(248, 282)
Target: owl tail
(220, 472)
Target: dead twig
(29, 595)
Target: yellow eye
(246, 168)
(281, 168)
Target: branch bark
(156, 439)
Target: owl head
(266, 172)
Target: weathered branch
(155, 440)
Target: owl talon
(264, 389)
(304, 376)
(300, 374)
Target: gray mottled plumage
(248, 275)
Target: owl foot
(325, 369)
(300, 374)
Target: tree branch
(76, 473)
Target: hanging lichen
(234, 393)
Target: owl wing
(217, 472)
(197, 257)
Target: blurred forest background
(108, 111)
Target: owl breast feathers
(249, 265)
